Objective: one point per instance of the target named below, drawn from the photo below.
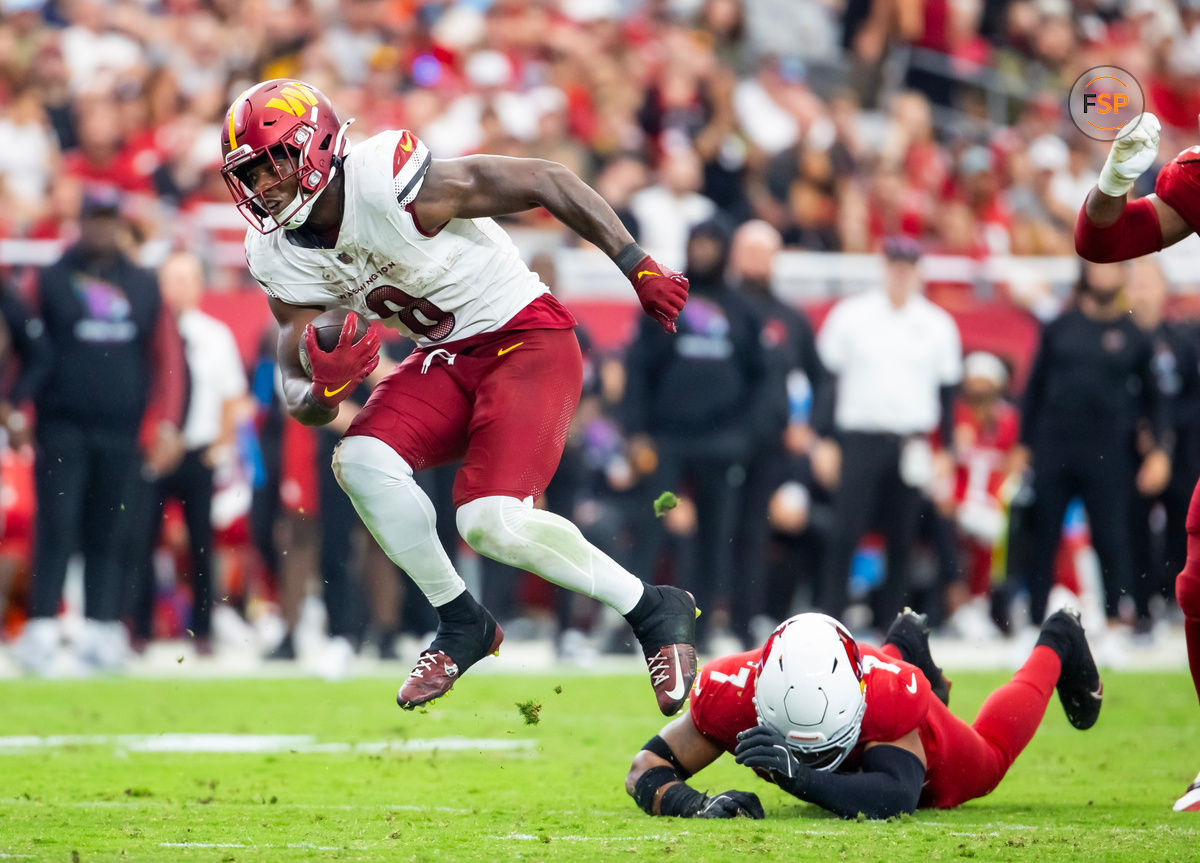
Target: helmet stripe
(232, 135)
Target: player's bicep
(910, 742)
(1173, 226)
(474, 187)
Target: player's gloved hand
(763, 748)
(662, 292)
(1132, 153)
(732, 804)
(336, 373)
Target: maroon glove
(336, 373)
(661, 291)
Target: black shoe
(664, 622)
(284, 650)
(455, 648)
(1079, 687)
(910, 632)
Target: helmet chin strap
(301, 215)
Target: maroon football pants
(502, 402)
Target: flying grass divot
(668, 500)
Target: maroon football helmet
(289, 127)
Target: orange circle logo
(1104, 100)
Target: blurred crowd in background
(725, 133)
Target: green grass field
(549, 791)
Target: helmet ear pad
(811, 689)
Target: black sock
(462, 609)
(645, 605)
(465, 630)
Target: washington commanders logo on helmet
(295, 98)
(275, 134)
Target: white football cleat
(37, 648)
(103, 646)
(333, 662)
(1190, 801)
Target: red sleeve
(722, 700)
(168, 381)
(898, 697)
(1178, 185)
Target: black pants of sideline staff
(1102, 474)
(871, 493)
(85, 480)
(191, 483)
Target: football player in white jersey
(397, 236)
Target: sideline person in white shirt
(216, 384)
(894, 359)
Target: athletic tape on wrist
(629, 257)
(681, 801)
(1113, 185)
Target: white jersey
(465, 279)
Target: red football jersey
(898, 700)
(1178, 184)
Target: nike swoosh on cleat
(503, 351)
(647, 273)
(329, 392)
(676, 692)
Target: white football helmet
(811, 688)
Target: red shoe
(1190, 801)
(672, 671)
(435, 671)
(667, 632)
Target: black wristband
(648, 784)
(681, 801)
(628, 258)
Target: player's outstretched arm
(483, 186)
(1111, 228)
(314, 400)
(889, 783)
(656, 779)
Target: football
(328, 326)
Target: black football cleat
(665, 625)
(1079, 686)
(910, 633)
(436, 669)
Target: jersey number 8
(418, 314)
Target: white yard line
(256, 744)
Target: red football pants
(1187, 588)
(503, 403)
(970, 760)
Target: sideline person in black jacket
(1091, 387)
(692, 403)
(118, 361)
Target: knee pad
(362, 463)
(494, 526)
(1187, 591)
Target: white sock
(513, 532)
(398, 513)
